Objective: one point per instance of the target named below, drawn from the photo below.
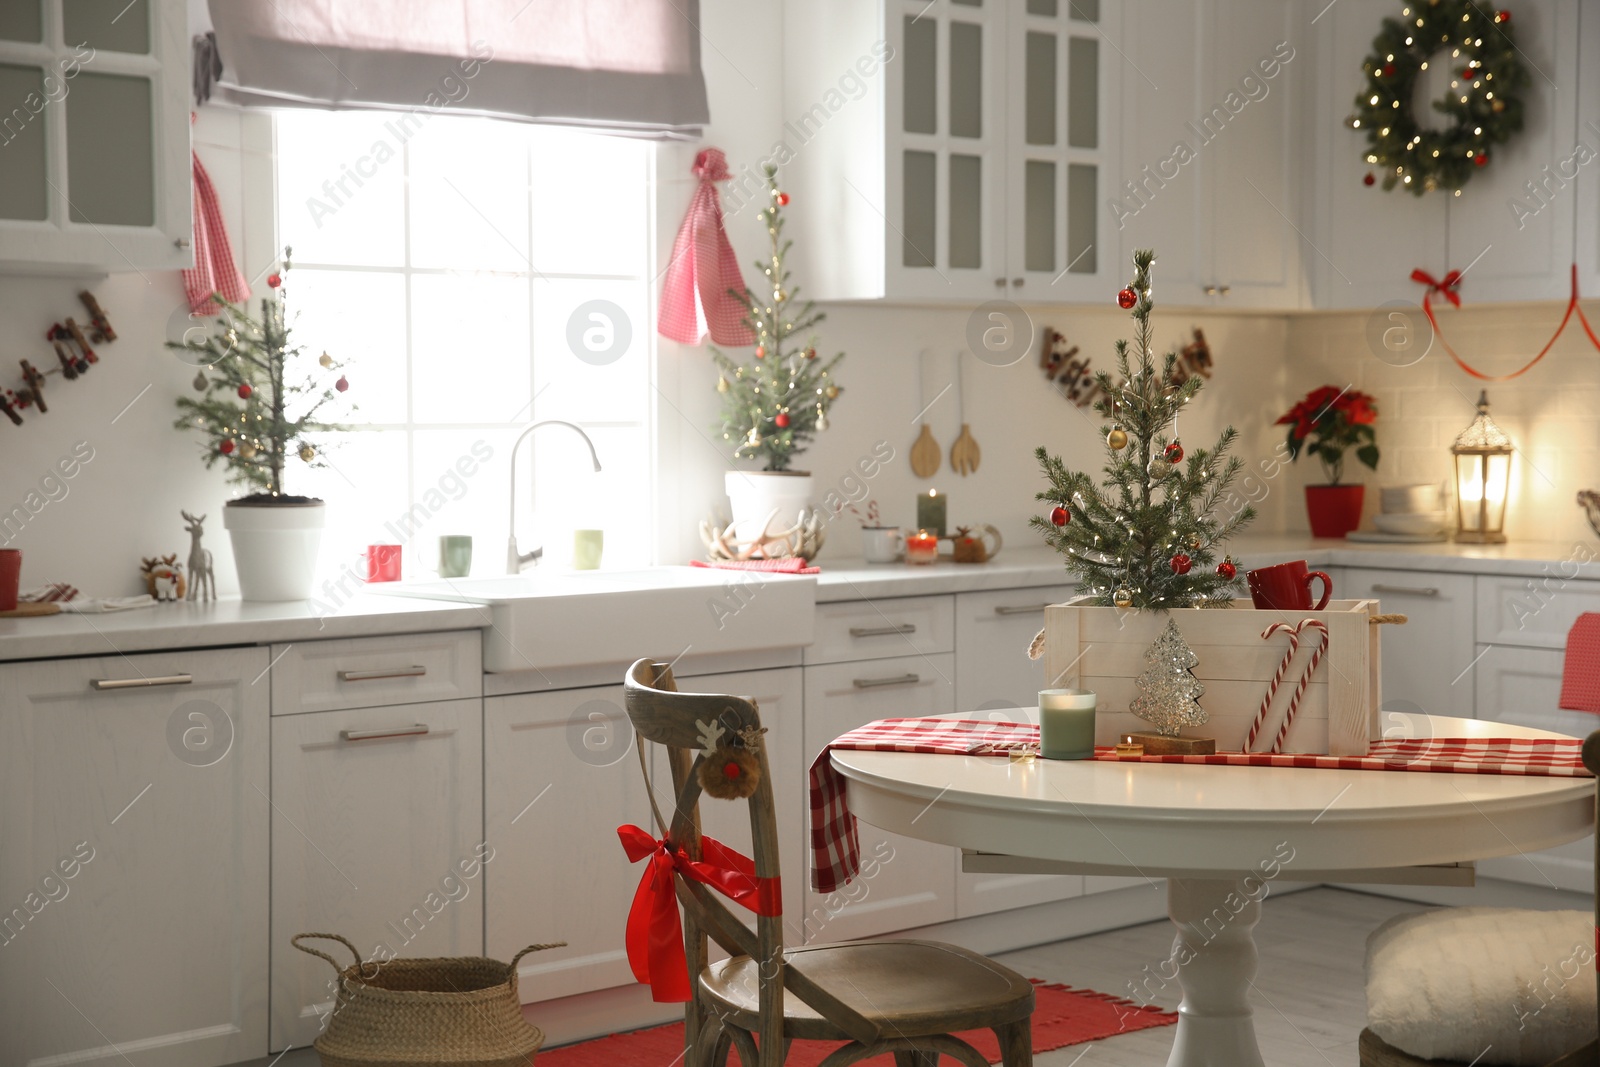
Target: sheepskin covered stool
(1481, 985)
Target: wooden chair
(904, 997)
(1375, 1052)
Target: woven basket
(463, 1012)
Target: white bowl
(1422, 522)
(1419, 499)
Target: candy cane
(1300, 687)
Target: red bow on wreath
(655, 932)
(1452, 281)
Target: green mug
(455, 556)
(587, 546)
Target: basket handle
(360, 964)
(512, 966)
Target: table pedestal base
(1215, 957)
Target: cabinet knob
(382, 673)
(1016, 283)
(141, 683)
(1406, 590)
(878, 683)
(419, 730)
(999, 283)
(893, 630)
(181, 242)
(1225, 289)
(1211, 290)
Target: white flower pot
(275, 547)
(755, 495)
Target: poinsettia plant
(1331, 421)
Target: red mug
(10, 574)
(383, 563)
(1287, 587)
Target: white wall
(124, 503)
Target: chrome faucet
(516, 560)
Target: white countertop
(228, 621)
(1034, 565)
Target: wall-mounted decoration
(74, 355)
(1074, 380)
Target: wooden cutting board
(27, 610)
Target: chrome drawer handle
(372, 735)
(1028, 609)
(876, 683)
(382, 672)
(141, 683)
(1406, 590)
(883, 631)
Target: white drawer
(879, 629)
(1533, 612)
(370, 672)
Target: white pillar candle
(1066, 723)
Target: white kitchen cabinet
(1523, 686)
(95, 172)
(133, 860)
(1586, 191)
(1534, 612)
(1364, 242)
(914, 883)
(1427, 663)
(971, 156)
(1211, 97)
(371, 672)
(377, 835)
(993, 676)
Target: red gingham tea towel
(789, 565)
(214, 269)
(695, 297)
(1580, 673)
(836, 849)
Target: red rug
(1061, 1016)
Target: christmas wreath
(1486, 76)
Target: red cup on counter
(922, 547)
(383, 563)
(10, 576)
(1287, 587)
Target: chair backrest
(676, 721)
(662, 715)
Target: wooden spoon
(925, 451)
(965, 455)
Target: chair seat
(1481, 985)
(920, 987)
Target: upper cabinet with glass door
(94, 135)
(952, 149)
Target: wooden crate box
(1103, 649)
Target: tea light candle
(922, 547)
(931, 507)
(1066, 723)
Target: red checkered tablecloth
(836, 849)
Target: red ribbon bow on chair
(1447, 287)
(655, 932)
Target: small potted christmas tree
(774, 405)
(256, 411)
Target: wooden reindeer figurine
(200, 577)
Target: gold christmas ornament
(247, 450)
(722, 384)
(831, 392)
(1122, 597)
(200, 382)
(325, 359)
(1117, 439)
(308, 453)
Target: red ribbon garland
(1448, 287)
(655, 932)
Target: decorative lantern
(1483, 479)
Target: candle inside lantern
(1066, 723)
(922, 547)
(931, 511)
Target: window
(475, 276)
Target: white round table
(1220, 835)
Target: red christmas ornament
(782, 420)
(731, 770)
(274, 280)
(811, 353)
(226, 448)
(1173, 453)
(342, 384)
(1468, 74)
(1060, 516)
(1180, 564)
(761, 351)
(1502, 16)
(1481, 158)
(783, 199)
(1388, 70)
(1226, 570)
(1127, 298)
(244, 392)
(1369, 179)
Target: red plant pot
(1334, 510)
